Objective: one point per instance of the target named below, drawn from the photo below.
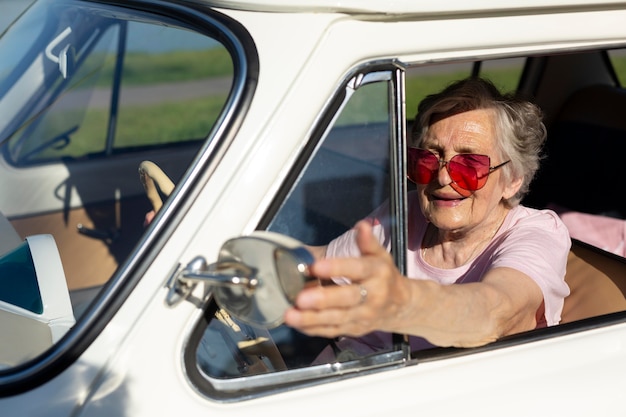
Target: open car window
(343, 178)
(340, 180)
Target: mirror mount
(219, 274)
(255, 279)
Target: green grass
(151, 124)
(619, 64)
(169, 122)
(164, 123)
(419, 86)
(192, 119)
(146, 69)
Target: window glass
(169, 93)
(109, 86)
(348, 177)
(68, 126)
(345, 180)
(428, 79)
(618, 60)
(504, 73)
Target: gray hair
(519, 127)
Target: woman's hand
(380, 298)
(371, 302)
(148, 219)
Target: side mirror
(255, 279)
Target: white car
(261, 124)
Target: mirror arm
(220, 274)
(255, 279)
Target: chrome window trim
(371, 363)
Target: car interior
(581, 173)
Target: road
(147, 94)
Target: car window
(423, 80)
(11, 10)
(344, 179)
(428, 79)
(127, 86)
(347, 177)
(87, 93)
(350, 165)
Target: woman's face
(469, 132)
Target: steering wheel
(154, 180)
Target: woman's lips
(446, 200)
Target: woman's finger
(331, 322)
(367, 242)
(337, 296)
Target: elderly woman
(473, 154)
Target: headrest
(598, 105)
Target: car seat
(585, 154)
(35, 307)
(597, 281)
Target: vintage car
(253, 128)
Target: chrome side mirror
(255, 279)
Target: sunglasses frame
(460, 180)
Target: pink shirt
(535, 242)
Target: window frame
(282, 381)
(247, 387)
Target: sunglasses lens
(469, 171)
(422, 165)
(464, 176)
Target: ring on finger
(362, 294)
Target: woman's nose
(443, 177)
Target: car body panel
(135, 364)
(397, 8)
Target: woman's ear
(512, 188)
